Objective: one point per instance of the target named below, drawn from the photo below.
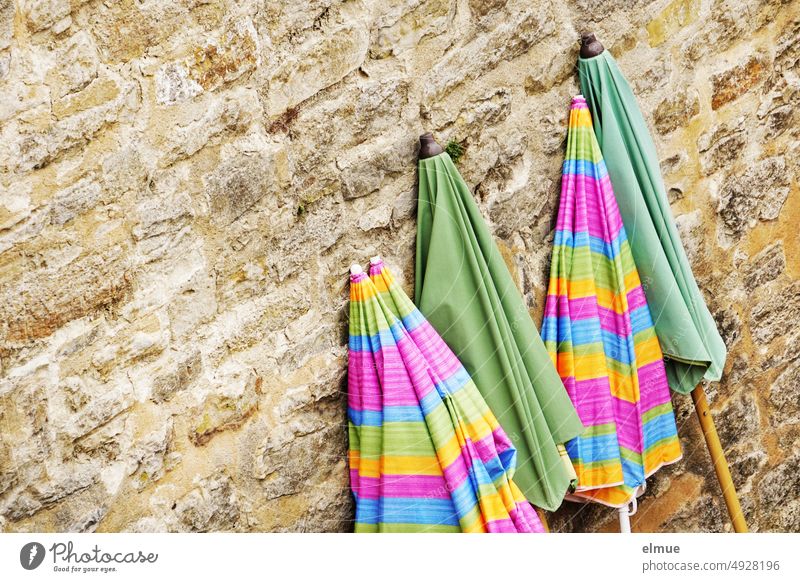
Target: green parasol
(465, 290)
(693, 349)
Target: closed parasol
(598, 330)
(464, 288)
(426, 453)
(693, 349)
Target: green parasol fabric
(464, 288)
(693, 349)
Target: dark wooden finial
(428, 146)
(590, 46)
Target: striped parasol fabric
(426, 453)
(598, 330)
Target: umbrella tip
(428, 146)
(590, 46)
(355, 269)
(375, 260)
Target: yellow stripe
(632, 280)
(624, 387)
(596, 476)
(580, 117)
(664, 453)
(588, 366)
(399, 466)
(361, 292)
(611, 495)
(616, 302)
(648, 351)
(383, 283)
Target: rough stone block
(765, 266)
(769, 317)
(676, 111)
(758, 194)
(410, 22)
(225, 411)
(736, 81)
(316, 65)
(677, 15)
(784, 396)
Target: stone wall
(185, 183)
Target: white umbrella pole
(625, 514)
(624, 520)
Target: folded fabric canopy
(692, 346)
(464, 288)
(426, 453)
(598, 330)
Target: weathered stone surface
(731, 83)
(213, 505)
(210, 65)
(729, 325)
(74, 200)
(181, 374)
(6, 25)
(780, 486)
(675, 16)
(153, 456)
(37, 306)
(674, 112)
(362, 177)
(768, 317)
(741, 420)
(76, 65)
(184, 185)
(174, 84)
(42, 14)
(758, 194)
(785, 397)
(745, 466)
(315, 66)
(765, 266)
(692, 232)
(722, 145)
(511, 38)
(705, 514)
(407, 22)
(240, 183)
(228, 410)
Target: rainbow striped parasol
(598, 330)
(426, 453)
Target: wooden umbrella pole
(543, 519)
(718, 460)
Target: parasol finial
(590, 46)
(355, 269)
(428, 146)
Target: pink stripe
(421, 486)
(591, 399)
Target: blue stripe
(640, 319)
(593, 449)
(584, 168)
(658, 428)
(587, 331)
(570, 239)
(390, 337)
(420, 510)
